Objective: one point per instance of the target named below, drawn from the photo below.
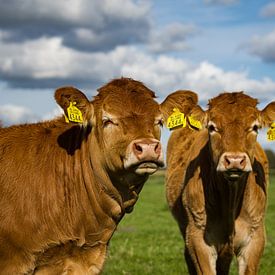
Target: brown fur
(219, 218)
(63, 186)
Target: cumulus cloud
(53, 114)
(48, 60)
(268, 10)
(108, 23)
(170, 38)
(166, 74)
(13, 114)
(209, 80)
(263, 46)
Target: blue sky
(208, 46)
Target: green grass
(148, 240)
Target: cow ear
(268, 114)
(182, 100)
(199, 114)
(75, 104)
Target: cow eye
(159, 122)
(212, 128)
(107, 122)
(255, 128)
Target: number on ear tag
(176, 120)
(74, 114)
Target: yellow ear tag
(194, 123)
(271, 132)
(74, 114)
(176, 120)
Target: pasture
(148, 240)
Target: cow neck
(111, 201)
(118, 190)
(223, 197)
(120, 187)
(85, 176)
(128, 185)
(230, 197)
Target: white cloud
(209, 80)
(73, 12)
(53, 114)
(42, 58)
(166, 74)
(47, 58)
(109, 23)
(13, 114)
(263, 46)
(268, 10)
(170, 38)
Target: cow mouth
(147, 167)
(234, 174)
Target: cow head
(233, 121)
(126, 123)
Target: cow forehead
(239, 115)
(125, 98)
(231, 108)
(129, 105)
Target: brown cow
(216, 184)
(65, 186)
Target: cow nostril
(243, 160)
(157, 147)
(227, 160)
(138, 148)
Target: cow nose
(147, 149)
(144, 155)
(235, 161)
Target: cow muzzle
(234, 165)
(144, 156)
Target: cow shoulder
(261, 166)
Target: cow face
(126, 123)
(233, 121)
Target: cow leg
(203, 260)
(224, 260)
(200, 258)
(190, 264)
(249, 255)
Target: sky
(208, 46)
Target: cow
(216, 183)
(66, 183)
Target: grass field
(148, 240)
